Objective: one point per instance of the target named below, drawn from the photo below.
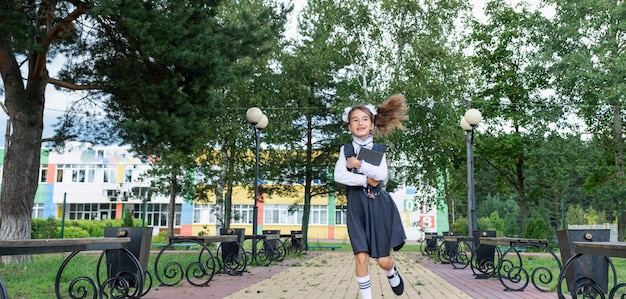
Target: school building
(100, 182)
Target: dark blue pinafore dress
(374, 224)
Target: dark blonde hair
(389, 114)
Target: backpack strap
(348, 150)
(379, 147)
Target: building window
(43, 174)
(106, 211)
(282, 214)
(204, 213)
(59, 175)
(341, 215)
(271, 214)
(108, 175)
(91, 173)
(318, 215)
(242, 214)
(91, 211)
(78, 175)
(87, 211)
(128, 176)
(156, 214)
(37, 210)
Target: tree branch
(71, 86)
(54, 33)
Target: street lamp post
(259, 121)
(468, 123)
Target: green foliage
(94, 228)
(205, 231)
(506, 208)
(45, 228)
(575, 215)
(493, 222)
(51, 228)
(536, 228)
(160, 238)
(128, 218)
(591, 216)
(74, 232)
(460, 226)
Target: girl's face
(360, 123)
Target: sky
(57, 102)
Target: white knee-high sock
(393, 277)
(365, 286)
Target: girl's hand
(372, 182)
(353, 162)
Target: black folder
(370, 156)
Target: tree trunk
(22, 157)
(618, 152)
(448, 198)
(171, 209)
(621, 224)
(219, 190)
(307, 183)
(228, 205)
(521, 190)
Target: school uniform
(373, 219)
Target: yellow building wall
(242, 195)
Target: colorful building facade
(102, 182)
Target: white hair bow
(347, 111)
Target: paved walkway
(331, 275)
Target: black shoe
(399, 289)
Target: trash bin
(232, 248)
(296, 241)
(451, 247)
(484, 254)
(594, 267)
(272, 242)
(119, 263)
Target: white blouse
(343, 176)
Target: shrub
(161, 238)
(128, 218)
(536, 228)
(45, 228)
(74, 232)
(460, 226)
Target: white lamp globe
(473, 116)
(465, 125)
(262, 123)
(254, 115)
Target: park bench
(586, 284)
(430, 244)
(84, 283)
(510, 263)
(456, 250)
(265, 248)
(198, 271)
(293, 241)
